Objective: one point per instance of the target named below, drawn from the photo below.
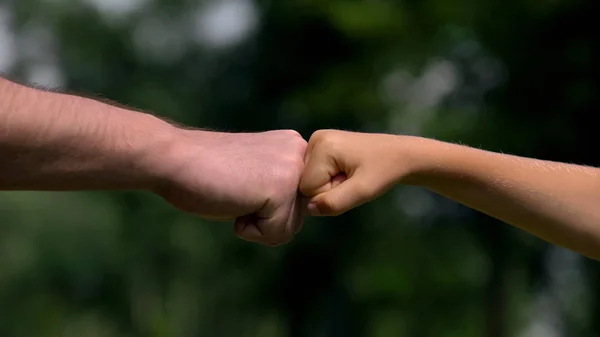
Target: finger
(317, 174)
(276, 222)
(246, 228)
(280, 226)
(271, 230)
(334, 182)
(337, 180)
(348, 194)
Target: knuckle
(305, 188)
(328, 142)
(298, 163)
(323, 134)
(302, 145)
(293, 141)
(319, 134)
(291, 133)
(298, 141)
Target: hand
(250, 177)
(347, 169)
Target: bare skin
(60, 142)
(557, 202)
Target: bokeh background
(518, 76)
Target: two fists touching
(255, 178)
(268, 181)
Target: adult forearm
(557, 202)
(52, 141)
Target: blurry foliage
(516, 76)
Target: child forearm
(557, 202)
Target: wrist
(172, 151)
(426, 159)
(437, 163)
(151, 149)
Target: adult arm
(557, 202)
(51, 141)
(59, 142)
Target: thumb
(252, 228)
(349, 194)
(246, 228)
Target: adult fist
(250, 177)
(344, 170)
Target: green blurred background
(520, 77)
